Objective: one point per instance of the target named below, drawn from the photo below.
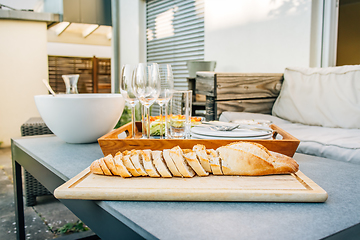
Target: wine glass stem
(161, 122)
(143, 119)
(148, 122)
(133, 120)
(166, 121)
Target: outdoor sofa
(319, 106)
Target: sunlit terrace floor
(42, 220)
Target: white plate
(234, 133)
(198, 136)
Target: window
(175, 34)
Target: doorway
(348, 43)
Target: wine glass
(126, 90)
(146, 86)
(166, 92)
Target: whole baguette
(252, 159)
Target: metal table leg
(19, 202)
(103, 223)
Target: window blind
(175, 34)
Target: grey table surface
(220, 220)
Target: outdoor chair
(33, 188)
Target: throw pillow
(328, 97)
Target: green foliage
(78, 226)
(126, 115)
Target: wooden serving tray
(111, 144)
(273, 188)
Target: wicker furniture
(33, 126)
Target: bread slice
(215, 163)
(95, 168)
(138, 162)
(203, 157)
(123, 172)
(177, 156)
(128, 163)
(245, 158)
(104, 168)
(109, 161)
(194, 163)
(170, 163)
(160, 164)
(148, 164)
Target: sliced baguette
(95, 168)
(215, 163)
(128, 163)
(160, 164)
(194, 163)
(104, 168)
(109, 161)
(170, 163)
(203, 157)
(123, 172)
(138, 162)
(177, 156)
(148, 164)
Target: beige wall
(257, 35)
(348, 48)
(23, 64)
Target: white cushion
(328, 97)
(334, 143)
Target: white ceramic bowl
(80, 118)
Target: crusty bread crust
(137, 161)
(254, 148)
(128, 163)
(104, 168)
(148, 164)
(215, 162)
(121, 167)
(160, 164)
(95, 168)
(177, 156)
(283, 163)
(252, 159)
(170, 163)
(111, 165)
(203, 157)
(194, 163)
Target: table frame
(90, 212)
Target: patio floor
(41, 220)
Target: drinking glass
(71, 83)
(146, 87)
(126, 90)
(180, 114)
(166, 92)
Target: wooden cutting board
(274, 188)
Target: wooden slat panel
(253, 105)
(60, 65)
(240, 86)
